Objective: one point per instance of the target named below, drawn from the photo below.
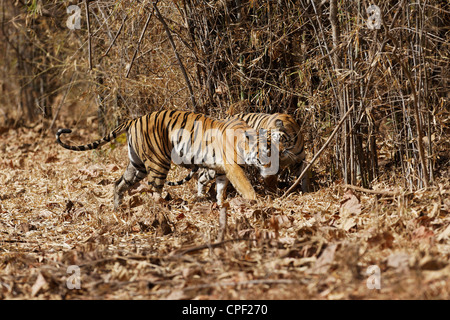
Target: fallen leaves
(56, 211)
(38, 285)
(350, 204)
(444, 235)
(323, 262)
(422, 233)
(51, 159)
(399, 261)
(349, 210)
(383, 239)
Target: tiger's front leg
(221, 187)
(129, 179)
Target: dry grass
(56, 211)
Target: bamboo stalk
(415, 104)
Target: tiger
(188, 139)
(293, 154)
(284, 132)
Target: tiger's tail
(186, 179)
(93, 145)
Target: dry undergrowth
(56, 211)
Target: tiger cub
(188, 139)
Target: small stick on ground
(380, 192)
(182, 252)
(222, 223)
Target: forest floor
(61, 239)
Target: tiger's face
(252, 148)
(273, 145)
(290, 142)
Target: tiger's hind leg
(156, 178)
(130, 178)
(205, 176)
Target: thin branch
(139, 43)
(181, 252)
(335, 32)
(115, 38)
(62, 100)
(379, 192)
(318, 153)
(86, 2)
(183, 70)
(235, 284)
(222, 223)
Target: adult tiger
(188, 139)
(285, 134)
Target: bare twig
(207, 246)
(139, 43)
(235, 284)
(115, 38)
(335, 32)
(86, 2)
(318, 153)
(222, 223)
(380, 192)
(62, 101)
(172, 43)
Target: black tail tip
(60, 131)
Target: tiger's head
(263, 149)
(287, 135)
(245, 146)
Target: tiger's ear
(279, 124)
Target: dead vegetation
(56, 212)
(369, 217)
